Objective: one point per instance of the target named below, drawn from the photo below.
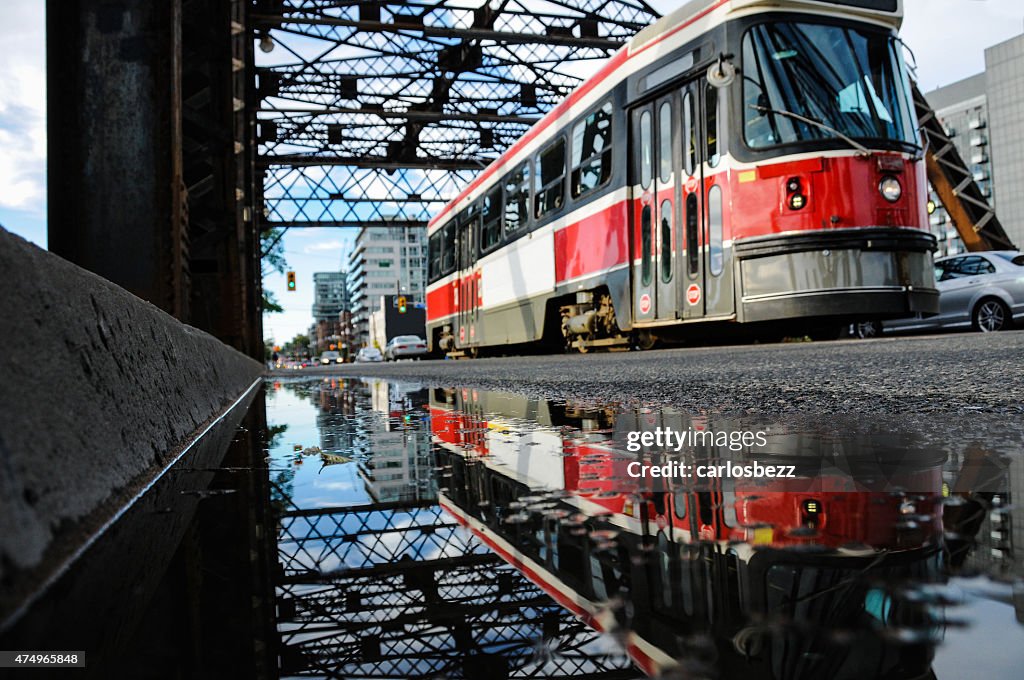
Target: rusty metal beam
(268, 21)
(974, 218)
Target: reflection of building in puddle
(823, 575)
(981, 486)
(399, 467)
(398, 464)
(335, 418)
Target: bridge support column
(150, 155)
(116, 195)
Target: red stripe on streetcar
(593, 244)
(644, 660)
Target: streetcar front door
(654, 206)
(706, 289)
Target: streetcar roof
(713, 12)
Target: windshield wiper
(861, 149)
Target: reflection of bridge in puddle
(397, 590)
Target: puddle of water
(458, 533)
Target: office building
(385, 261)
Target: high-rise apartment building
(385, 261)
(984, 116)
(331, 298)
(331, 295)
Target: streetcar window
(679, 503)
(807, 81)
(549, 178)
(592, 150)
(666, 241)
(689, 136)
(711, 102)
(692, 224)
(448, 248)
(645, 150)
(665, 141)
(645, 245)
(715, 255)
(517, 199)
(434, 256)
(490, 231)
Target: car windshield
(407, 338)
(848, 79)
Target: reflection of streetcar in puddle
(809, 577)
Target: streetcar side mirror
(722, 73)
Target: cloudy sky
(948, 38)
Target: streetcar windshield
(807, 82)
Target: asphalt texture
(961, 374)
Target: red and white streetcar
(737, 162)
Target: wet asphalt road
(962, 374)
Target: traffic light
(291, 281)
(401, 304)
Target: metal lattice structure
(401, 591)
(375, 110)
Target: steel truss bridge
(379, 112)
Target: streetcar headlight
(890, 188)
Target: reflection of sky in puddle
(844, 552)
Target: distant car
(368, 354)
(983, 291)
(331, 357)
(405, 347)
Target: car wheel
(868, 329)
(991, 315)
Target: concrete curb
(99, 390)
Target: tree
(272, 250)
(297, 345)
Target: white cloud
(949, 37)
(23, 107)
(325, 245)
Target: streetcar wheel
(868, 329)
(646, 340)
(991, 315)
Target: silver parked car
(405, 347)
(983, 290)
(368, 355)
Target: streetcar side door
(654, 172)
(691, 285)
(467, 281)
